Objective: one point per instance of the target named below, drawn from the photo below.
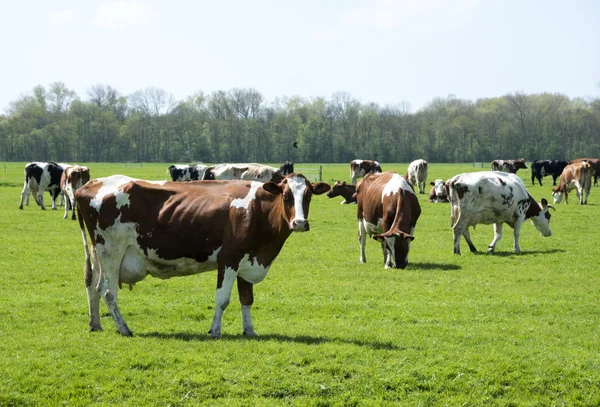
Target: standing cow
(493, 198)
(594, 163)
(417, 174)
(511, 166)
(184, 172)
(388, 210)
(359, 168)
(248, 172)
(73, 178)
(543, 168)
(41, 177)
(576, 176)
(168, 229)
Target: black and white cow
(184, 172)
(494, 198)
(417, 174)
(41, 177)
(543, 168)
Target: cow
(388, 210)
(73, 178)
(417, 174)
(347, 191)
(41, 177)
(491, 197)
(438, 191)
(543, 168)
(168, 229)
(248, 172)
(359, 168)
(511, 166)
(184, 172)
(594, 163)
(575, 176)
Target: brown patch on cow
(460, 189)
(502, 182)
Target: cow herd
(235, 218)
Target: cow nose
(300, 225)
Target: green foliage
(476, 329)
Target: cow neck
(533, 210)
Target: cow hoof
(214, 335)
(20, 207)
(250, 333)
(490, 250)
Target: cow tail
(87, 268)
(167, 175)
(453, 198)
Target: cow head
(296, 192)
(438, 188)
(398, 244)
(337, 189)
(540, 216)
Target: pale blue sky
(383, 51)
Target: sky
(389, 52)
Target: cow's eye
(287, 197)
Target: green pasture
(474, 330)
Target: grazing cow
(438, 191)
(543, 168)
(73, 178)
(388, 209)
(347, 191)
(577, 175)
(594, 163)
(41, 177)
(183, 172)
(168, 229)
(493, 198)
(511, 166)
(248, 172)
(417, 174)
(359, 168)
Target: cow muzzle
(300, 225)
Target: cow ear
(406, 236)
(432, 183)
(544, 202)
(272, 188)
(320, 188)
(379, 238)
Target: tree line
(238, 125)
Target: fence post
(320, 173)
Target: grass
(476, 329)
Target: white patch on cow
(244, 203)
(372, 229)
(109, 186)
(251, 271)
(298, 187)
(358, 162)
(396, 183)
(122, 198)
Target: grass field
(475, 330)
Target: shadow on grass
(432, 266)
(303, 339)
(510, 253)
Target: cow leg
(516, 234)
(225, 280)
(362, 240)
(387, 255)
(24, 196)
(91, 279)
(497, 237)
(467, 236)
(245, 291)
(54, 195)
(40, 199)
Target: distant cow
(388, 210)
(169, 229)
(73, 178)
(438, 191)
(347, 191)
(575, 176)
(594, 163)
(184, 172)
(543, 168)
(417, 174)
(359, 168)
(249, 172)
(493, 198)
(511, 166)
(41, 177)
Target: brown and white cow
(510, 166)
(594, 163)
(388, 210)
(168, 229)
(417, 174)
(496, 198)
(39, 178)
(249, 172)
(439, 191)
(359, 168)
(575, 176)
(73, 178)
(347, 191)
